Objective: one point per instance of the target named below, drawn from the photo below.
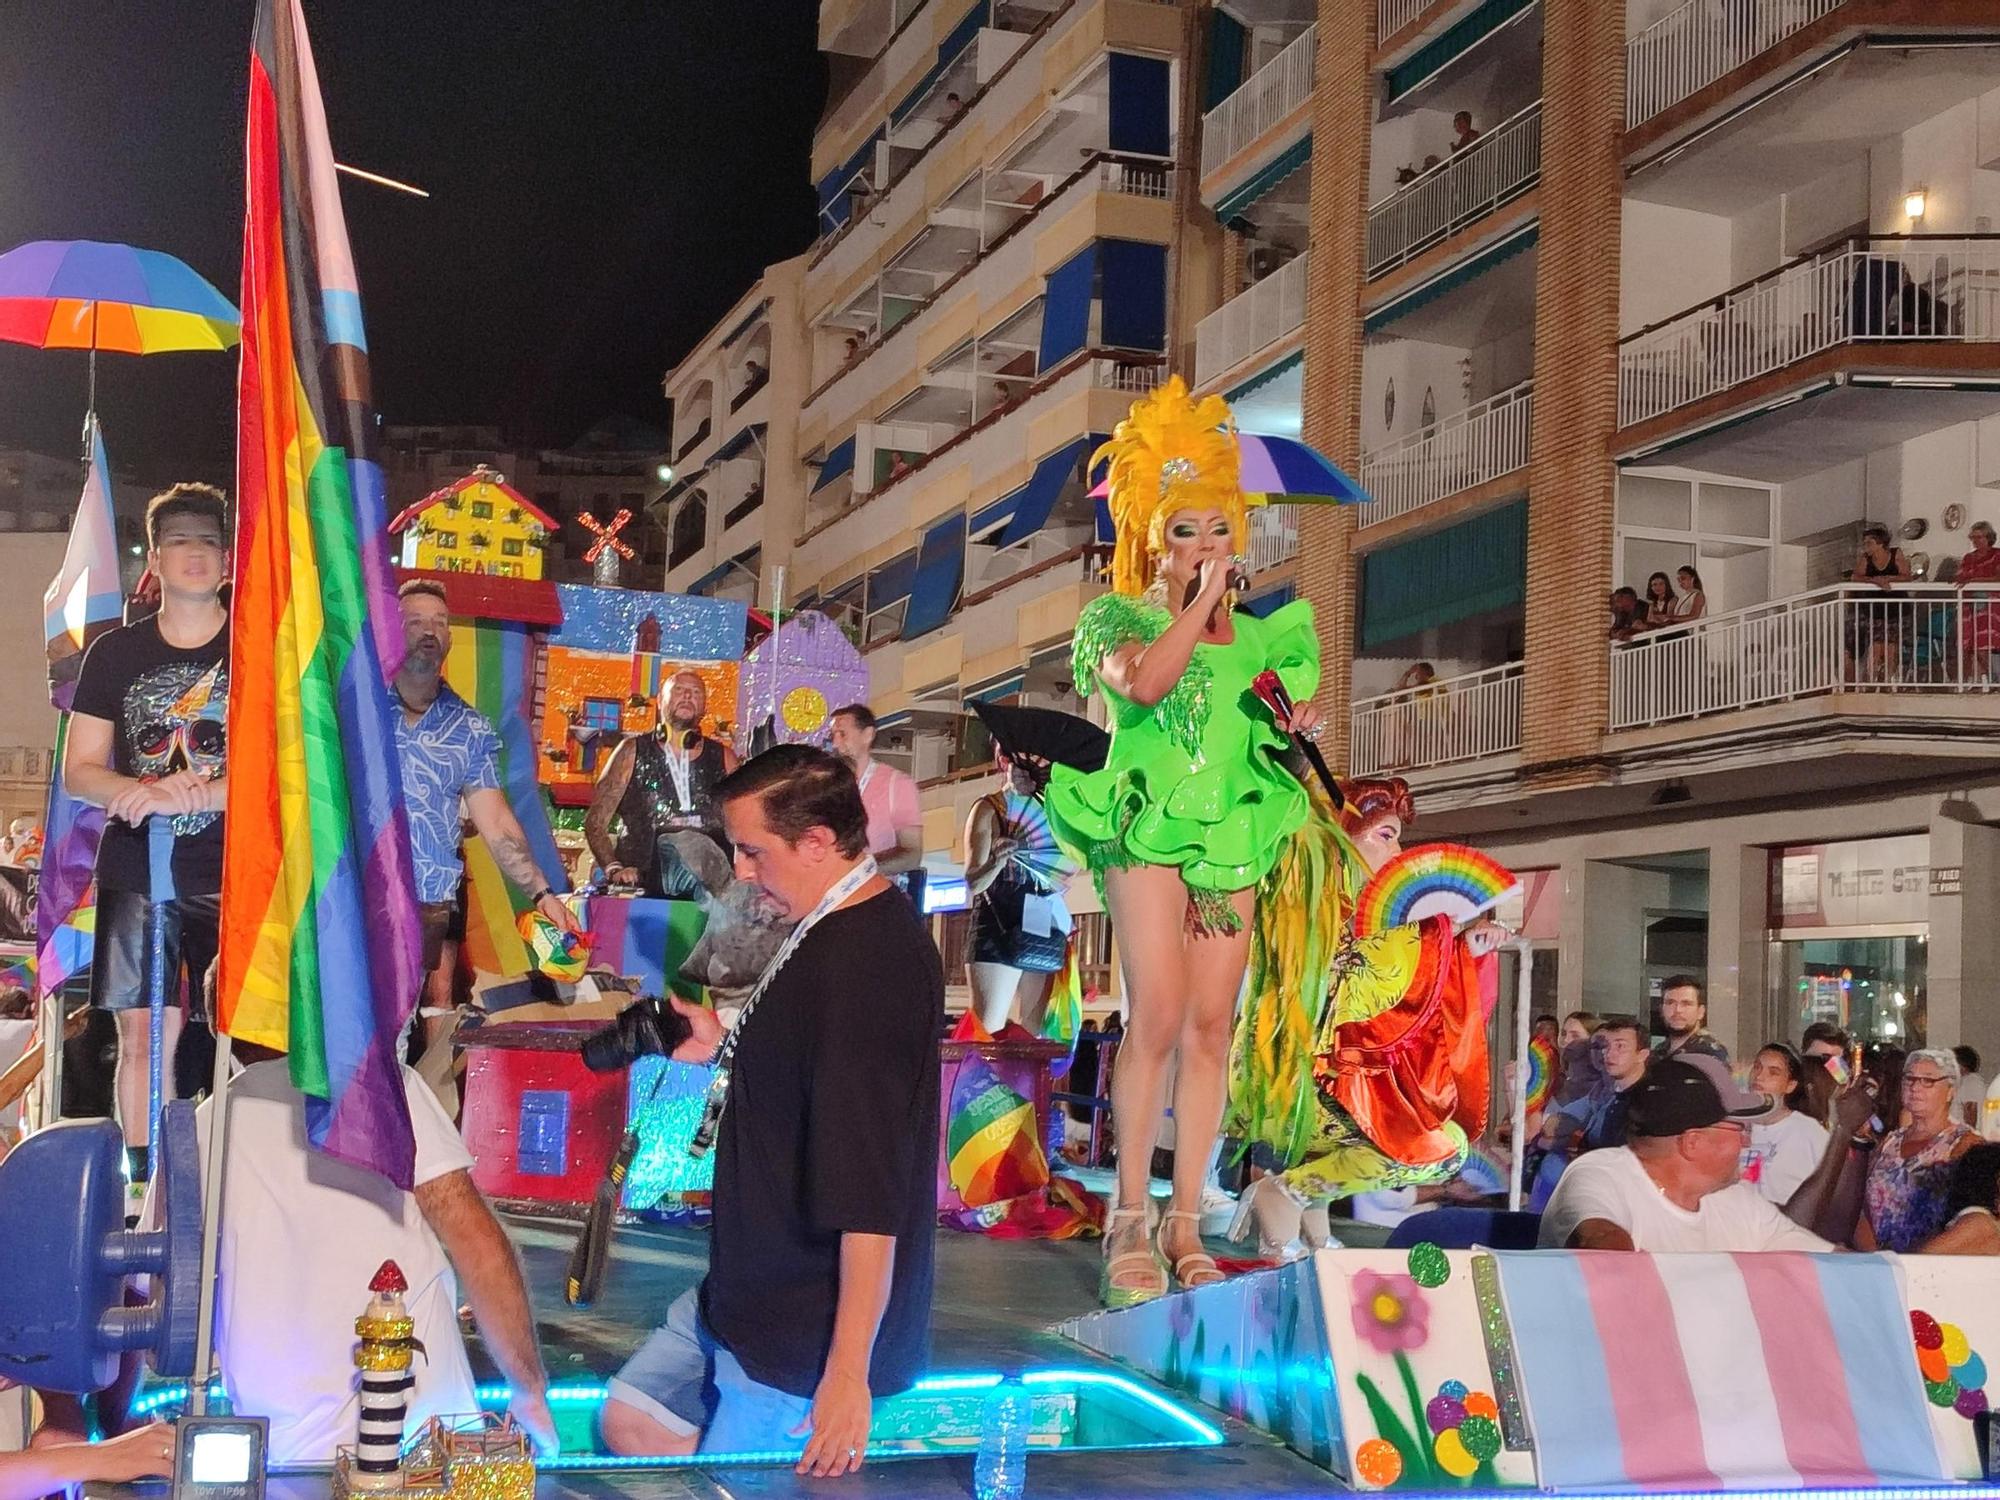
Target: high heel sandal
(1197, 1267)
(1128, 1262)
(1276, 1212)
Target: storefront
(1849, 938)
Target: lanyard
(867, 776)
(718, 1088)
(680, 766)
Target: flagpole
(211, 1223)
(1523, 1005)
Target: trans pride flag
(1704, 1372)
(320, 944)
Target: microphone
(1239, 579)
(1270, 689)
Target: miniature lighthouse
(384, 1355)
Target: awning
(963, 35)
(1428, 61)
(1466, 270)
(891, 581)
(754, 433)
(1066, 307)
(711, 578)
(1442, 576)
(940, 570)
(1134, 310)
(833, 200)
(998, 688)
(744, 327)
(1265, 376)
(1026, 511)
(1265, 178)
(838, 463)
(1141, 113)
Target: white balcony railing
(1888, 289)
(1688, 49)
(1139, 178)
(1919, 638)
(1442, 723)
(1282, 85)
(1251, 320)
(1465, 449)
(1274, 536)
(1501, 165)
(1391, 16)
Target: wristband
(539, 896)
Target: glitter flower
(1390, 1313)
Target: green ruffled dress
(1194, 781)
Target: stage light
(664, 473)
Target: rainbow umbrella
(84, 294)
(1286, 469)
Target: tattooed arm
(496, 824)
(604, 810)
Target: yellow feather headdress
(1171, 453)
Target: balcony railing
(1688, 49)
(1251, 320)
(1917, 638)
(1391, 16)
(1442, 723)
(1465, 449)
(1878, 290)
(1282, 85)
(1501, 165)
(1274, 536)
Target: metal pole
(211, 1222)
(160, 852)
(52, 1059)
(1523, 1010)
(777, 647)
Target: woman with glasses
(1909, 1179)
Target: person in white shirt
(1969, 1099)
(302, 1236)
(1972, 1213)
(1784, 1149)
(1673, 1185)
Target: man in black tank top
(657, 784)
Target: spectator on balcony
(1405, 175)
(953, 106)
(1464, 131)
(1873, 634)
(1661, 601)
(898, 467)
(1628, 615)
(1693, 602)
(1980, 623)
(1429, 161)
(1419, 704)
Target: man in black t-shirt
(818, 1293)
(146, 740)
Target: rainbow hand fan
(1036, 851)
(1541, 1074)
(1431, 880)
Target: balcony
(1463, 451)
(1914, 639)
(1501, 165)
(1447, 722)
(1690, 48)
(1872, 295)
(1274, 537)
(1391, 16)
(1251, 321)
(1269, 96)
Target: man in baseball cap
(1673, 1185)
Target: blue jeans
(686, 1381)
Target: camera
(650, 1028)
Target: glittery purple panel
(597, 619)
(1500, 1353)
(808, 651)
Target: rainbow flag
(320, 944)
(82, 602)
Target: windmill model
(607, 549)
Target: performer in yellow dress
(1193, 806)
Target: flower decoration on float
(1172, 453)
(1954, 1373)
(1390, 1313)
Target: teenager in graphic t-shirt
(818, 1293)
(146, 744)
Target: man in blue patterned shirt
(450, 754)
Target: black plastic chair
(1462, 1228)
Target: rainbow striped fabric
(320, 946)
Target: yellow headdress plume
(1171, 453)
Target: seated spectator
(1464, 132)
(1674, 1185)
(1827, 1044)
(1970, 1100)
(303, 1237)
(1595, 1120)
(1971, 1206)
(1784, 1149)
(1628, 615)
(1910, 1175)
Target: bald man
(655, 785)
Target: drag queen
(1192, 809)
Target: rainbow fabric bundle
(992, 1151)
(558, 954)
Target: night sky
(606, 179)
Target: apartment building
(1588, 292)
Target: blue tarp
(940, 570)
(1066, 308)
(838, 462)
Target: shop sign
(1856, 883)
(1946, 879)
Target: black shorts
(441, 922)
(118, 958)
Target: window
(690, 529)
(482, 510)
(511, 547)
(447, 541)
(603, 714)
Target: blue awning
(1227, 39)
(753, 433)
(962, 36)
(1267, 177)
(940, 570)
(1026, 511)
(1140, 114)
(1134, 312)
(744, 327)
(1066, 308)
(1478, 565)
(1446, 281)
(1266, 375)
(1000, 687)
(840, 461)
(711, 578)
(891, 581)
(1432, 59)
(833, 200)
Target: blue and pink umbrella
(1286, 470)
